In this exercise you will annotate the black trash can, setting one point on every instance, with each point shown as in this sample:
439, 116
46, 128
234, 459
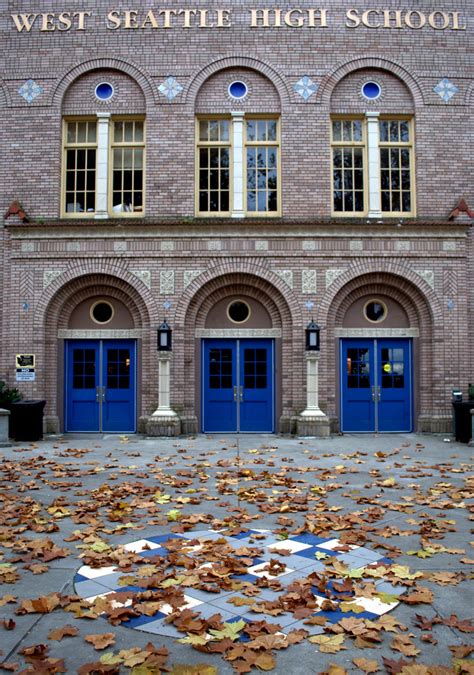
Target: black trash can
462, 420
27, 420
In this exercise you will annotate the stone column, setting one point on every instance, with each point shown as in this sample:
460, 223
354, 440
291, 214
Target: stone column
312, 421
102, 186
238, 210
164, 421
373, 160
4, 417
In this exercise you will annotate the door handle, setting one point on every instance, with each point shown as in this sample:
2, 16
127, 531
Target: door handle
241, 394
100, 394
103, 394
235, 393
373, 394
97, 394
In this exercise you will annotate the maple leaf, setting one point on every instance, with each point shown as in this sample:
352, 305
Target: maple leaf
230, 630
420, 594
366, 665
403, 644
110, 659
101, 641
65, 631
394, 667
328, 644
198, 669
195, 640
43, 605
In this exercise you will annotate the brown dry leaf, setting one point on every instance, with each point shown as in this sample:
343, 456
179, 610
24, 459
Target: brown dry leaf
8, 624
366, 665
403, 644
461, 651
328, 644
11, 667
37, 568
101, 640
43, 605
394, 667
199, 669
416, 669
335, 670
420, 594
65, 631
265, 661
7, 599
98, 668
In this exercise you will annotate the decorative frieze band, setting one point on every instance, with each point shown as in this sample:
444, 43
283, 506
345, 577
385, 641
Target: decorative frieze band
376, 332
238, 333
112, 334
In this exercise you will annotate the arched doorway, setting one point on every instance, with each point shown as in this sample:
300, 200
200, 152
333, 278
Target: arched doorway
97, 345
238, 332
383, 357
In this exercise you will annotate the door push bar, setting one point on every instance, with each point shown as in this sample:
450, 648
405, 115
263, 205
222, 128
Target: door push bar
238, 393
100, 394
375, 394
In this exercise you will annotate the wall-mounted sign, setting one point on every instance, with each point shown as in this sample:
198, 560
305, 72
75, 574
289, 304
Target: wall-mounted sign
25, 367
274, 17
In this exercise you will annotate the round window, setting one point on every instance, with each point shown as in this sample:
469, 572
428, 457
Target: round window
104, 91
375, 311
102, 312
238, 90
371, 90
238, 311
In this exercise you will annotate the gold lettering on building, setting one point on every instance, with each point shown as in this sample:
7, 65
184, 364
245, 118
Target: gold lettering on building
373, 18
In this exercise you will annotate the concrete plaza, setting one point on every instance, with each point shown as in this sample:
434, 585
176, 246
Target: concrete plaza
397, 493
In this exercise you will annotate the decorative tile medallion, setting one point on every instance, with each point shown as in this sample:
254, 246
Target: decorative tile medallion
306, 87
166, 282
331, 275
144, 276
49, 276
446, 89
239, 577
261, 245
167, 246
286, 276
427, 275
189, 276
308, 281
170, 88
30, 90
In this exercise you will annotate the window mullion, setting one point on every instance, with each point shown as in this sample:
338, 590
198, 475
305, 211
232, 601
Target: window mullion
102, 185
373, 164
237, 173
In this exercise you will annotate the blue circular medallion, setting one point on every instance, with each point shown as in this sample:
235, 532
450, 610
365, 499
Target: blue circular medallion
371, 90
238, 90
104, 91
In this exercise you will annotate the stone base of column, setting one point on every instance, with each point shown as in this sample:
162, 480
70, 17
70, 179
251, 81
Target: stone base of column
4, 417
163, 426
189, 425
313, 426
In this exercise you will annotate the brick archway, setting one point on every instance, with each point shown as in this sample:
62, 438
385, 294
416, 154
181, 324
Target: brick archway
211, 287
53, 314
421, 306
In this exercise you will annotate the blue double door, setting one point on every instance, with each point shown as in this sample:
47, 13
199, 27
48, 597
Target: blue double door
100, 386
238, 385
376, 385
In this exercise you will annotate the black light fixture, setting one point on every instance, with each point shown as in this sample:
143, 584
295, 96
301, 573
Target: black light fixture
312, 337
164, 337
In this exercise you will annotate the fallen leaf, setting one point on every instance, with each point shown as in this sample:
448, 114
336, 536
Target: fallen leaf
65, 631
101, 641
366, 665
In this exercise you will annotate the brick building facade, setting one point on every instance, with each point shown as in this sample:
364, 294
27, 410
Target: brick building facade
240, 172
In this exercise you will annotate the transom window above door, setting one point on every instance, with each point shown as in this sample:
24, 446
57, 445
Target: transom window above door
238, 166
